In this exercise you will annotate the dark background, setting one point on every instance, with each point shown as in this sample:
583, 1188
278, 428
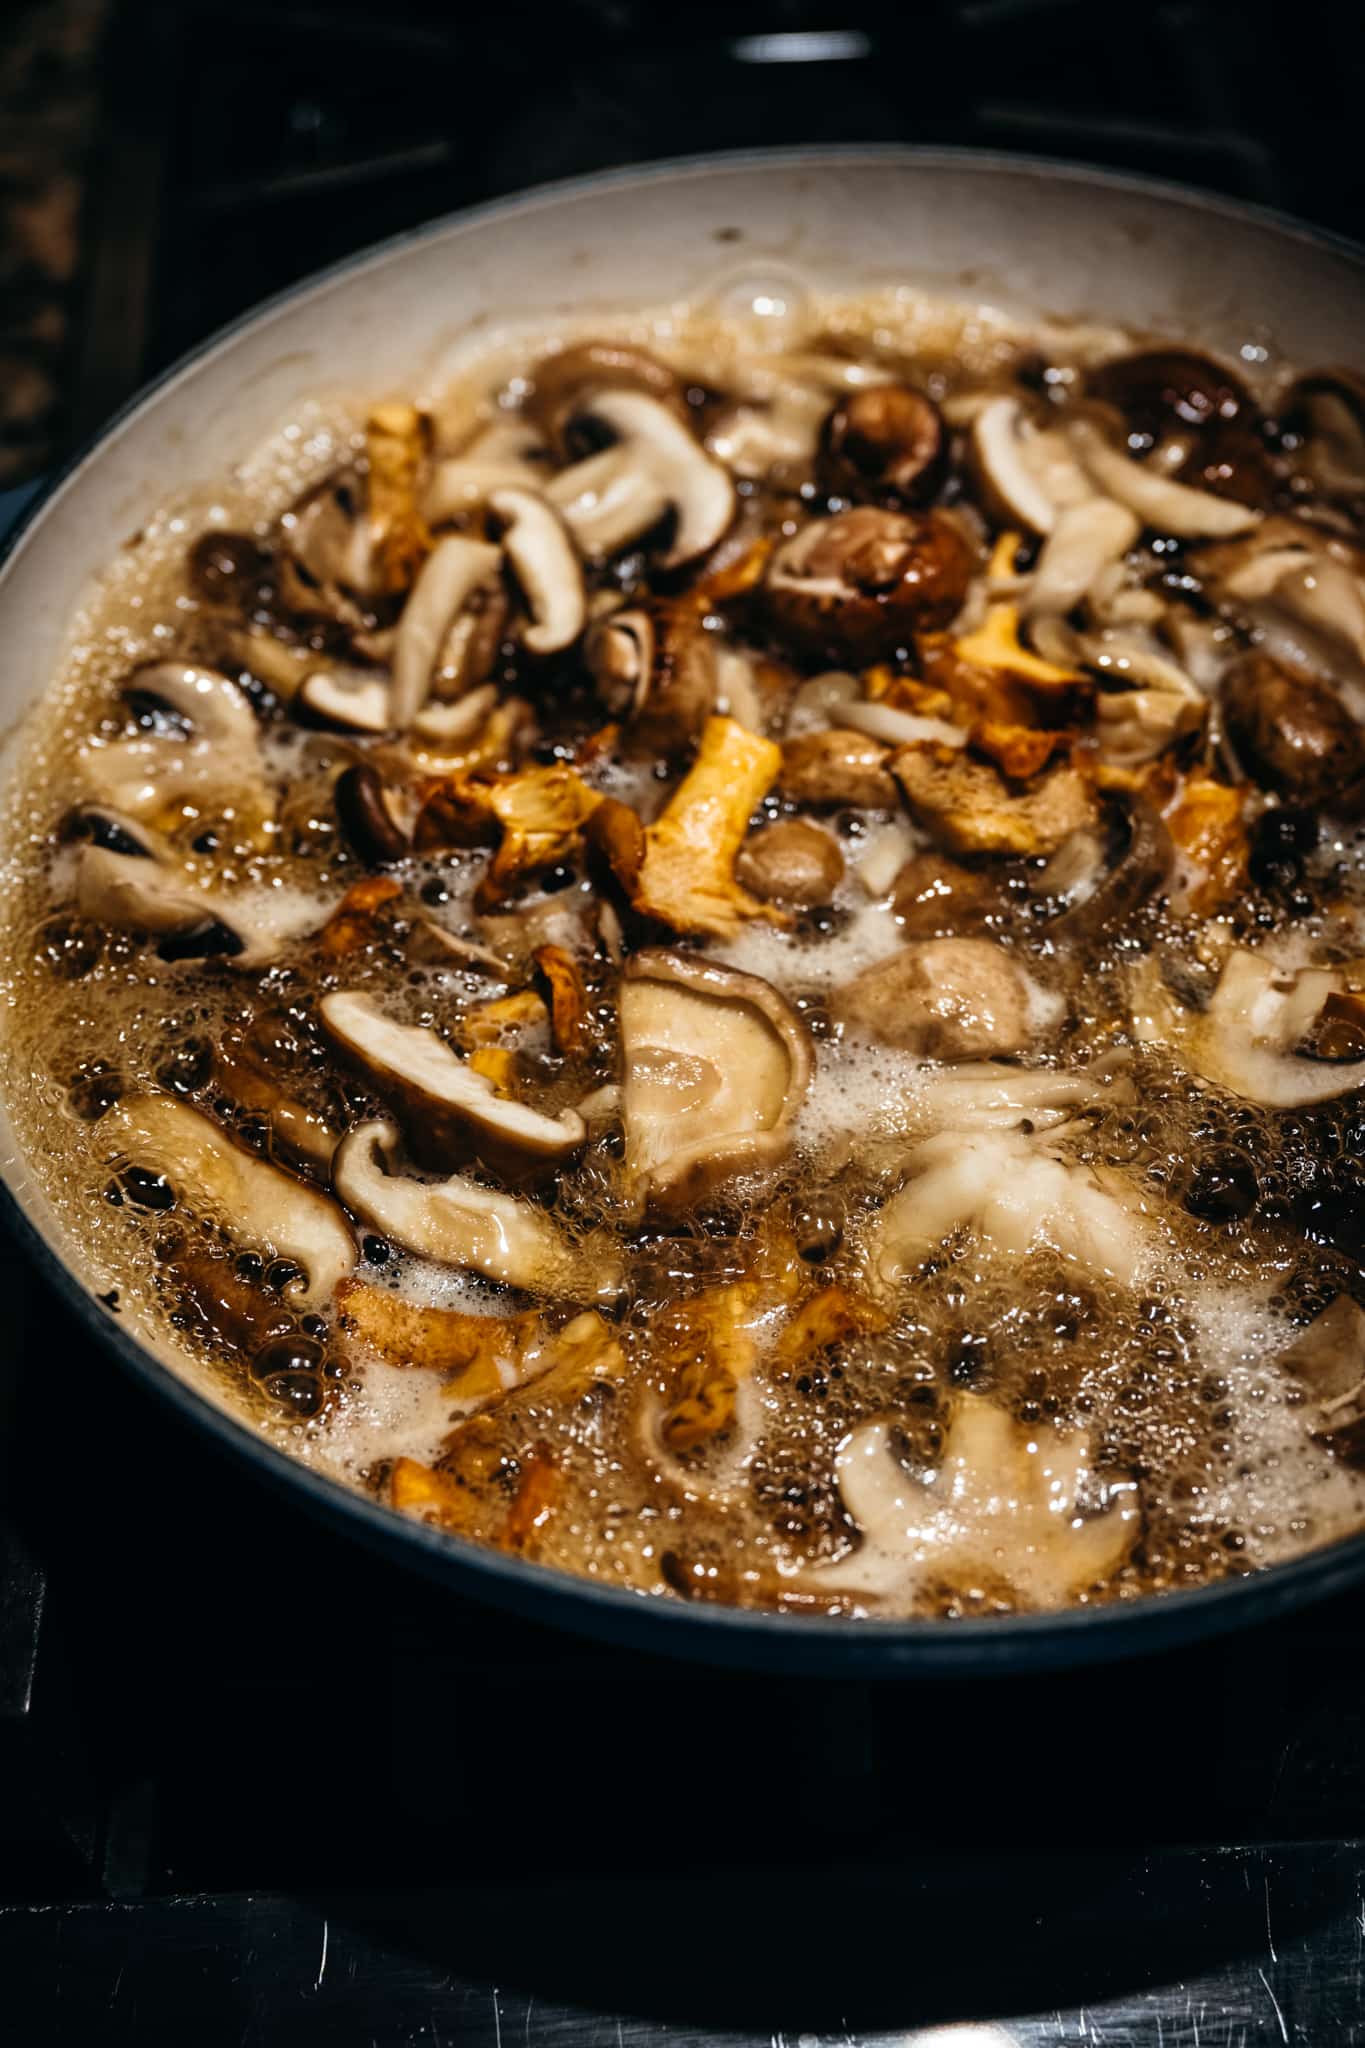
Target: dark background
257, 1787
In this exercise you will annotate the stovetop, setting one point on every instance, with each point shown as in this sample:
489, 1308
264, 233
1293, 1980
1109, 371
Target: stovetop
255, 1785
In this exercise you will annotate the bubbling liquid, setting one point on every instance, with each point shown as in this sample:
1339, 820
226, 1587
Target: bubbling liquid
1245, 1220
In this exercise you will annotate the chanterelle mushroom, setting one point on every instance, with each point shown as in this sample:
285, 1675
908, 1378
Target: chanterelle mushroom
1017, 1192
716, 1066
258, 1203
1001, 1506
856, 587
950, 999
450, 1113
680, 869
654, 465
1248, 1037
458, 1223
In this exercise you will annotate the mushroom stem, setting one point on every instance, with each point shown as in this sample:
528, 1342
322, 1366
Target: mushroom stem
452, 572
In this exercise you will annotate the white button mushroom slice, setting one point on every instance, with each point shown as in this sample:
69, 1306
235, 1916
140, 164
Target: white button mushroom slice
1162, 504
509, 455
452, 572
608, 499
451, 1112
460, 719
1246, 1038
619, 493
356, 699
716, 1065
1026, 474
218, 758
897, 728
132, 893
257, 1202
458, 1223
546, 567
1001, 1504
1084, 540
1017, 1194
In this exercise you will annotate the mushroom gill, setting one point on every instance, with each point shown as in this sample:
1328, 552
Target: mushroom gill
716, 1064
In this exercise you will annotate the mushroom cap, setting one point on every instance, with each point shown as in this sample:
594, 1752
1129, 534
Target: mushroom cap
450, 1113
1164, 389
561, 382
716, 1066
791, 862
858, 585
1326, 410
948, 999
257, 1202
885, 445
1295, 734
838, 767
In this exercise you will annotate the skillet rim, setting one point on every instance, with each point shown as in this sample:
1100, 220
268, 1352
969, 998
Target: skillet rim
754, 1638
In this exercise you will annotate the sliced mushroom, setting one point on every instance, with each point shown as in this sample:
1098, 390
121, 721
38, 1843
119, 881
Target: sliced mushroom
450, 1113
838, 768
453, 572
1328, 1358
217, 761
365, 814
507, 455
356, 699
792, 862
304, 1138
885, 444
859, 585
1003, 1506
1084, 540
256, 1202
657, 670
1295, 734
561, 383
1026, 474
113, 832
1162, 504
1247, 1039
458, 1223
716, 1065
132, 893
652, 466
1017, 1193
446, 724
948, 999
969, 808
1326, 410
545, 566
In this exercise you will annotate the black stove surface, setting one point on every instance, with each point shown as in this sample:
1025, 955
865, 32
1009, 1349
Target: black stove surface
256, 1786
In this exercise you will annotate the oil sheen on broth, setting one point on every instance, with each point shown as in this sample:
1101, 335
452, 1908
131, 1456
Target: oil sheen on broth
726, 953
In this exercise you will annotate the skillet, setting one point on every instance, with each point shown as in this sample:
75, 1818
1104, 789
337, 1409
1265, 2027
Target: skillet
1028, 235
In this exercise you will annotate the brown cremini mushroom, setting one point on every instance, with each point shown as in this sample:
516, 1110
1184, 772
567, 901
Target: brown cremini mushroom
561, 382
450, 1113
365, 815
935, 897
857, 586
792, 862
1295, 734
836, 768
948, 999
885, 444
654, 465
